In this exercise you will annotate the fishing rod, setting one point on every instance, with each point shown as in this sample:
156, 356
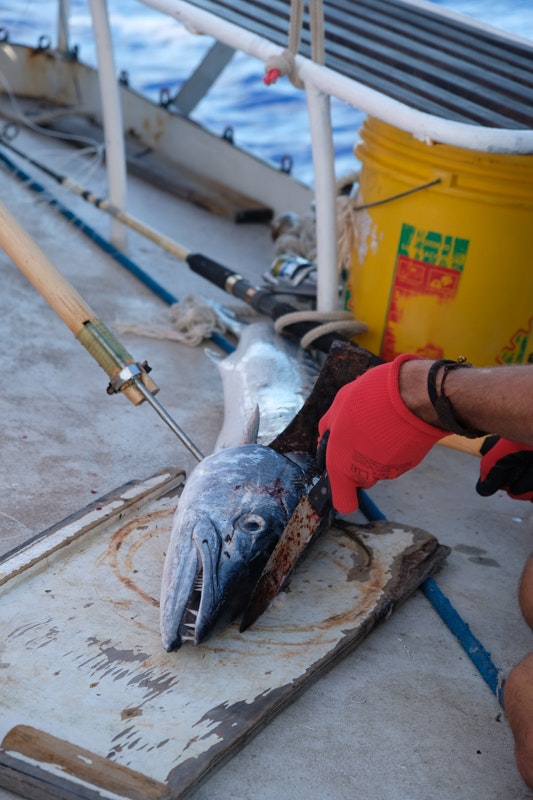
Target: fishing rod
133, 268
262, 300
103, 205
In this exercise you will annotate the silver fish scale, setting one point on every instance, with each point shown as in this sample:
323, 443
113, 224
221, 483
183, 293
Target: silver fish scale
265, 383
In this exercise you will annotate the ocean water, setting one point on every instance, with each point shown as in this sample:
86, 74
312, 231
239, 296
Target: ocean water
271, 122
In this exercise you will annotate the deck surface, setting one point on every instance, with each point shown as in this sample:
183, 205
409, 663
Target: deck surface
406, 715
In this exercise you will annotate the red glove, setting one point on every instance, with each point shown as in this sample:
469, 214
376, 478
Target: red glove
373, 435
506, 465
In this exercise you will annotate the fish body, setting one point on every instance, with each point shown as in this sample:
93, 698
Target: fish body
265, 383
237, 501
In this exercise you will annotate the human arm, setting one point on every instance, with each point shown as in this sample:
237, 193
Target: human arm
495, 399
384, 423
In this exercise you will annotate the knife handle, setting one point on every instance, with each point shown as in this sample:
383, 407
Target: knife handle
320, 456
320, 495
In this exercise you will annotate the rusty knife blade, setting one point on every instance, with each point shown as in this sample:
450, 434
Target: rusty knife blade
299, 531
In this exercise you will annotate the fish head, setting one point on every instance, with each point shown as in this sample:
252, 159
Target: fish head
232, 512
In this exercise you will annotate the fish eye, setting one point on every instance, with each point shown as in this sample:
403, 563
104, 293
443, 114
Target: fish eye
251, 523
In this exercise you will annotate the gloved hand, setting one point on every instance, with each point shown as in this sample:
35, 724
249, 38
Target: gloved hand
506, 465
373, 435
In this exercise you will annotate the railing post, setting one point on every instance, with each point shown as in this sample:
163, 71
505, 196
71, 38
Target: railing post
112, 117
62, 26
318, 104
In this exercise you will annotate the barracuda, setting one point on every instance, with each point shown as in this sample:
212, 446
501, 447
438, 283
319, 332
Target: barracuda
237, 501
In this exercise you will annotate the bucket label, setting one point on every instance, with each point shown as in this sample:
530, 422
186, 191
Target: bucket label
428, 270
519, 347
431, 247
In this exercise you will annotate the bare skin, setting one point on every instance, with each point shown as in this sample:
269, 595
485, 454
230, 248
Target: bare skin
493, 399
497, 400
518, 690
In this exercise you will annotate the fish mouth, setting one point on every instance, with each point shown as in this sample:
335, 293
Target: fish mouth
187, 626
192, 596
204, 588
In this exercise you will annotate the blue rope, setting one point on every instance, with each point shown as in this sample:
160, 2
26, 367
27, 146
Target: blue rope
106, 246
476, 652
368, 507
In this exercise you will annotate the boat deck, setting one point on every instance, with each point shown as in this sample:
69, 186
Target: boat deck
406, 714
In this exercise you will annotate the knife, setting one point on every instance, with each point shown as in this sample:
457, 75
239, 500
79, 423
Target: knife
299, 532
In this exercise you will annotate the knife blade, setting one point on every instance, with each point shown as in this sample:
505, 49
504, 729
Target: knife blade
298, 533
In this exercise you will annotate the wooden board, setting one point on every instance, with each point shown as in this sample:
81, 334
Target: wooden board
90, 704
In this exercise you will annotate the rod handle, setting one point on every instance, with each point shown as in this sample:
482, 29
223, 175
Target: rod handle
262, 300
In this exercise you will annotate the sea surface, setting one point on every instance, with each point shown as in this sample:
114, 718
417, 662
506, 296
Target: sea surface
158, 54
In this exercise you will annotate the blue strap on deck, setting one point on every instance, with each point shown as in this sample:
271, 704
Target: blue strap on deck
475, 651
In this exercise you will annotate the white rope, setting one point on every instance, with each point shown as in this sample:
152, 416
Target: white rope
334, 322
316, 15
296, 234
190, 321
346, 214
296, 22
284, 63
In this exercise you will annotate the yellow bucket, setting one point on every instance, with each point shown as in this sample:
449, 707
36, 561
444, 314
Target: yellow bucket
444, 270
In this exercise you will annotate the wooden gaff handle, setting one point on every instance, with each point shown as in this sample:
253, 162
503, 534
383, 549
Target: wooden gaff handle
68, 304
44, 276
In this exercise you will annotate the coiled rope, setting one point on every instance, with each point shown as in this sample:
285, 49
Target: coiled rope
333, 322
